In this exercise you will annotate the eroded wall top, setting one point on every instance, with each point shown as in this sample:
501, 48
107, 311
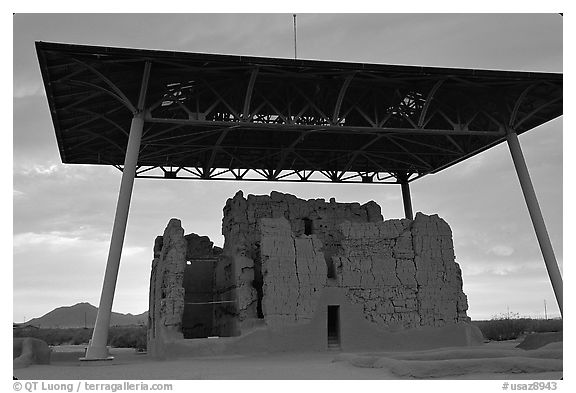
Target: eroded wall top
281, 249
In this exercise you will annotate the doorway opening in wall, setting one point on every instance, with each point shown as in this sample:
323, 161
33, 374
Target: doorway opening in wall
333, 322
307, 226
198, 314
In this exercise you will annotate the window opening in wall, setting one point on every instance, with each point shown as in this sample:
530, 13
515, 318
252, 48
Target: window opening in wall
307, 226
333, 325
330, 269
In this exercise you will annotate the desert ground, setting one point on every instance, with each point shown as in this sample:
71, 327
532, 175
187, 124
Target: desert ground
493, 360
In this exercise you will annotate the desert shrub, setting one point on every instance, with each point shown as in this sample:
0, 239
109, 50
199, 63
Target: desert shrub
547, 325
120, 337
56, 336
81, 336
128, 337
505, 327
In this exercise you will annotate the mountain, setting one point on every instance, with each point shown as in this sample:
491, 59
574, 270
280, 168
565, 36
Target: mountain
84, 315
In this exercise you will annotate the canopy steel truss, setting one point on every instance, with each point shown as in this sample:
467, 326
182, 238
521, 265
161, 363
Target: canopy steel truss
159, 114
244, 118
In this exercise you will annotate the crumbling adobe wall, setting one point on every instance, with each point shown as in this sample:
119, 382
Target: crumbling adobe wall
402, 272
239, 272
167, 305
274, 269
294, 273
166, 301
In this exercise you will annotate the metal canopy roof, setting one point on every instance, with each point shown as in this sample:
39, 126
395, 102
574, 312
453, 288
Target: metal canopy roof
249, 118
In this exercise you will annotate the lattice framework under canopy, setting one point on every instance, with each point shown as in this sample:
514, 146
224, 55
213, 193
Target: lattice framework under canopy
249, 118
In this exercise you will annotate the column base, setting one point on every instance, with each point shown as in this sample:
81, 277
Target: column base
97, 353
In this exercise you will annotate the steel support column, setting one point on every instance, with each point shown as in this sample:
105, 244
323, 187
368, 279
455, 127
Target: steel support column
97, 349
536, 215
406, 196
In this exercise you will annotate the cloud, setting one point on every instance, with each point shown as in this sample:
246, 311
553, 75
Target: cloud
58, 268
83, 242
471, 166
53, 241
506, 270
43, 170
237, 34
17, 194
24, 90
131, 251
63, 198
522, 291
473, 270
501, 251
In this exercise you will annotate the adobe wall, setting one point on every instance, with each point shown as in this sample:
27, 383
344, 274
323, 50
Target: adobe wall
166, 299
294, 273
174, 284
401, 272
273, 278
240, 269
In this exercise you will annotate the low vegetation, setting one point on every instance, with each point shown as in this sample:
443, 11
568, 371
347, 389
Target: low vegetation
499, 328
118, 336
510, 327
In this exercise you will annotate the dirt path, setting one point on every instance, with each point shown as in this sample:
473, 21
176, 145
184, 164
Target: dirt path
497, 361
277, 366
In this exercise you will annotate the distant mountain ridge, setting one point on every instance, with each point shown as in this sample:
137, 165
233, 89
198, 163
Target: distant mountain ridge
83, 315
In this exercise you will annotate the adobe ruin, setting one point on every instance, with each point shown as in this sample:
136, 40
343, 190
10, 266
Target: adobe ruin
307, 274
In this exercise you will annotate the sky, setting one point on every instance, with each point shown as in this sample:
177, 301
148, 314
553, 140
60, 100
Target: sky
63, 214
